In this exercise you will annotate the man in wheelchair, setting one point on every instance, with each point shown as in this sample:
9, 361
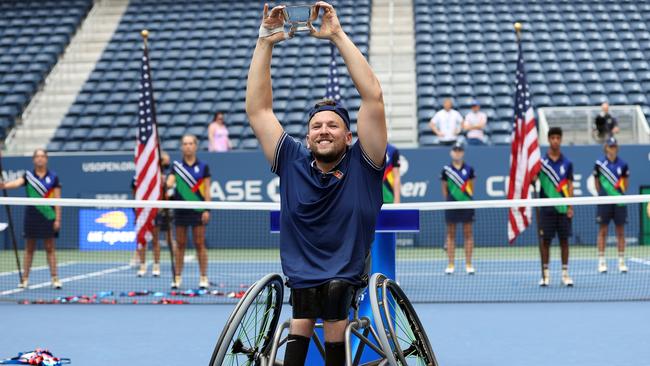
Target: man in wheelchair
331, 191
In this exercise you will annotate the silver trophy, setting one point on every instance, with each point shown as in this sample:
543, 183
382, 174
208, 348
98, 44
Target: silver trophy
298, 17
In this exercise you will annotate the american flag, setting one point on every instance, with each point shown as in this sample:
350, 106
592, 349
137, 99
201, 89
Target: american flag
148, 184
333, 89
524, 156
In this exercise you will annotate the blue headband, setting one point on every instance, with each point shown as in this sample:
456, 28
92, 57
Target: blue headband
338, 109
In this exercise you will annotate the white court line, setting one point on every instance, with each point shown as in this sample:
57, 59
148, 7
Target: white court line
640, 261
70, 279
500, 273
39, 268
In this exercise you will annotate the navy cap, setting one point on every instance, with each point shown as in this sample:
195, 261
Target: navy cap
611, 141
475, 103
458, 146
338, 109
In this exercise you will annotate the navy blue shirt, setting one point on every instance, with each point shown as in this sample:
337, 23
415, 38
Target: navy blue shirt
327, 220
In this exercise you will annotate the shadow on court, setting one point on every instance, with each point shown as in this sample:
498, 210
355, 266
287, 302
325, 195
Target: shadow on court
532, 334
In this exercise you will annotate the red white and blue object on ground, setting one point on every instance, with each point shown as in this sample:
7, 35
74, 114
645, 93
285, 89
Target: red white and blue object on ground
40, 357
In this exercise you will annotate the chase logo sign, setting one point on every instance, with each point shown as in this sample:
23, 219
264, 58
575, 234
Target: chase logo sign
107, 229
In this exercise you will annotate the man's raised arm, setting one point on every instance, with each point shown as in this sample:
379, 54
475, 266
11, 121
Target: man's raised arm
259, 93
371, 120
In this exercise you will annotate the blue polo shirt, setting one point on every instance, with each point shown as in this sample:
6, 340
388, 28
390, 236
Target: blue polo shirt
327, 220
610, 175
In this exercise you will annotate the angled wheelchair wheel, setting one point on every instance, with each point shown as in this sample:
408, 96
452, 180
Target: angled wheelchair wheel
400, 331
248, 333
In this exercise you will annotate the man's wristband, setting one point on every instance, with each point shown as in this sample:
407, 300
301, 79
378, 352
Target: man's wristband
266, 32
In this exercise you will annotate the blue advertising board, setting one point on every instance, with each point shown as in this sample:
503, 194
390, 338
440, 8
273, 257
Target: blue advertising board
107, 229
245, 176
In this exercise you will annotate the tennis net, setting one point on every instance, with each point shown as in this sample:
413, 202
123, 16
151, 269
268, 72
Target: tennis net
97, 260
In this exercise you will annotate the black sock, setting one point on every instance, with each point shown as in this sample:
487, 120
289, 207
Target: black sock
334, 354
296, 352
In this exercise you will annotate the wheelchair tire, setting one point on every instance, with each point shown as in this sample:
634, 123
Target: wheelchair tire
249, 331
400, 331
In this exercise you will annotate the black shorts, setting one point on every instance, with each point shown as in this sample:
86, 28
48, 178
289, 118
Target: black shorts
162, 221
330, 301
459, 216
185, 217
554, 223
36, 226
607, 213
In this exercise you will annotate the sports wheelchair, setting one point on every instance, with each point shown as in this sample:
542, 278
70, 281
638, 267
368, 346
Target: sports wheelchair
252, 335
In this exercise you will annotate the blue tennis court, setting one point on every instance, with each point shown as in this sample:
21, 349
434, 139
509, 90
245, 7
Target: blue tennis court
503, 275
533, 334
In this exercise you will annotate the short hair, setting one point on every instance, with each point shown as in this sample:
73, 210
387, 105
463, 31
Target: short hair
193, 137
555, 131
325, 101
216, 114
40, 149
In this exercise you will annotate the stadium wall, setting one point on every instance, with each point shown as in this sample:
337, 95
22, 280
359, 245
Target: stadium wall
245, 176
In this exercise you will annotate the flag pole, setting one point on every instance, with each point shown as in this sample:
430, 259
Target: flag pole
518, 26
165, 211
10, 223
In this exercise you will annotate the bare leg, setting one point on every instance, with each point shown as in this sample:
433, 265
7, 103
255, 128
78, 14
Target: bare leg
30, 247
564, 247
198, 233
302, 327
142, 253
620, 239
451, 242
602, 234
545, 251
181, 241
155, 244
335, 330
50, 251
469, 242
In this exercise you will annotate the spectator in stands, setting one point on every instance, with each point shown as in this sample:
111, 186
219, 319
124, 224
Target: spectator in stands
218, 134
446, 124
392, 182
605, 124
41, 222
474, 124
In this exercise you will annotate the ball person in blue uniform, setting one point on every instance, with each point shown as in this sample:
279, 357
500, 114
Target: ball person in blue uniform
190, 181
611, 175
41, 222
331, 191
457, 182
556, 181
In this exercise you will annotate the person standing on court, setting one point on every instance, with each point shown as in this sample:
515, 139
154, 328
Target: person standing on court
218, 139
331, 191
161, 225
556, 181
41, 222
392, 180
190, 181
611, 175
446, 123
458, 185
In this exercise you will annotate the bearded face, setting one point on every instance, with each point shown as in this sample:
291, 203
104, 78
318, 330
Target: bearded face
328, 137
